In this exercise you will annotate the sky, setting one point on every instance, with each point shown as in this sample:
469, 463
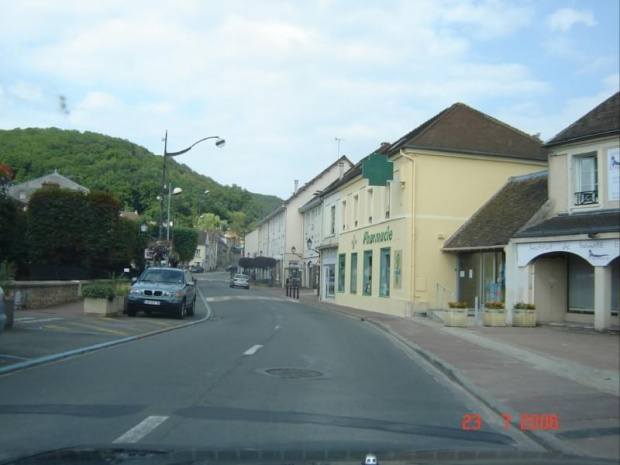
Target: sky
293, 85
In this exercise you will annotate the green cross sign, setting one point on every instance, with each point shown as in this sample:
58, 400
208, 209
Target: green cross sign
378, 170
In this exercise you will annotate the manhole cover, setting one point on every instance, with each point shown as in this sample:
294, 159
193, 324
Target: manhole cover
291, 373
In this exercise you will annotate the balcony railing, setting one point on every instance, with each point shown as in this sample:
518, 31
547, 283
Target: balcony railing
586, 197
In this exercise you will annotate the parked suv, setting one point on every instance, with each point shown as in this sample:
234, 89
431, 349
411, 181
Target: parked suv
163, 290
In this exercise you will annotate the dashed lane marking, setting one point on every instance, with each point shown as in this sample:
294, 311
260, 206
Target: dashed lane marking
140, 430
252, 350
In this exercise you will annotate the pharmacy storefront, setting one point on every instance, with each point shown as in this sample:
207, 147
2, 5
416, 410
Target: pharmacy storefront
370, 264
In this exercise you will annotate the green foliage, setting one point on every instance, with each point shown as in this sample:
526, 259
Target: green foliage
85, 230
457, 304
524, 306
7, 271
12, 228
98, 291
130, 173
185, 243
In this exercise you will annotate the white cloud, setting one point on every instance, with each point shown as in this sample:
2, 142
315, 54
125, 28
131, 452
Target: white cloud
25, 91
565, 18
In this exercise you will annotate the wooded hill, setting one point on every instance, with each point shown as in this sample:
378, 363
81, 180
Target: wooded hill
130, 173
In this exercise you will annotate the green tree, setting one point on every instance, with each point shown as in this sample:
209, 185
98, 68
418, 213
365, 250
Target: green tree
185, 243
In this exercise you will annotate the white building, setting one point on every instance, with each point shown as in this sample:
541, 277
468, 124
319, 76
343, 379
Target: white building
280, 234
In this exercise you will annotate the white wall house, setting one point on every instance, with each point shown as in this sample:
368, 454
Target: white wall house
280, 234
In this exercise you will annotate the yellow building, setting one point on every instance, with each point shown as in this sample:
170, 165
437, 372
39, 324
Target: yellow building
390, 237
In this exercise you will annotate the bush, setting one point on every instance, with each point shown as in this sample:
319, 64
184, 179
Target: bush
524, 306
457, 304
494, 305
98, 291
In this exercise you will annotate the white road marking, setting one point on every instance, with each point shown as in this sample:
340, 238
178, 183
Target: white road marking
277, 327
39, 320
141, 429
252, 350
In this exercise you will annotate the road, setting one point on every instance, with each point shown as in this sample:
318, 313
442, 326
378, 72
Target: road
264, 372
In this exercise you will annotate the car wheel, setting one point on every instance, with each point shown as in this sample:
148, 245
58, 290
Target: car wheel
192, 310
182, 311
131, 312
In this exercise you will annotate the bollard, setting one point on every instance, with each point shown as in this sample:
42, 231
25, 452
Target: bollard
288, 291
297, 292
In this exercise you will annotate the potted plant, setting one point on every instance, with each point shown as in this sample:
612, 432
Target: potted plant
494, 314
455, 314
99, 300
524, 314
7, 274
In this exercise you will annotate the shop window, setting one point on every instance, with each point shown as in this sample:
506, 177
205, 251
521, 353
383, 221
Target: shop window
586, 179
368, 272
330, 272
354, 273
384, 283
580, 285
341, 271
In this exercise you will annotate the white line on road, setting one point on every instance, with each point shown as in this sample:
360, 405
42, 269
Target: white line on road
252, 350
141, 429
277, 327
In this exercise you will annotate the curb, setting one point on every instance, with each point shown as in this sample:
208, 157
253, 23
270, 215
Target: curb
84, 350
547, 440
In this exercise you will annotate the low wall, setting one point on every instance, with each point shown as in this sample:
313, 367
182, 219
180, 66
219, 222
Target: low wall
40, 294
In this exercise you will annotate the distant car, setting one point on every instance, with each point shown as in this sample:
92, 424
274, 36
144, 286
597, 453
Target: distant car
2, 314
232, 268
197, 269
163, 290
240, 280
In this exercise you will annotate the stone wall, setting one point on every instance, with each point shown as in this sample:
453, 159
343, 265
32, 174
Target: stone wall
40, 294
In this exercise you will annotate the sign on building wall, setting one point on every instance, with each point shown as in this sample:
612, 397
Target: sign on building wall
398, 269
613, 174
595, 252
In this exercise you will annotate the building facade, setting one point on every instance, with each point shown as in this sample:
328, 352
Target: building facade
280, 233
567, 263
389, 256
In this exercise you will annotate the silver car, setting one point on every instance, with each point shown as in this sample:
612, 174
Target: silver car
240, 280
163, 290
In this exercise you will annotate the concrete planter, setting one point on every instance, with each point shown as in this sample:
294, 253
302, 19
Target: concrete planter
523, 317
120, 302
455, 317
100, 307
494, 317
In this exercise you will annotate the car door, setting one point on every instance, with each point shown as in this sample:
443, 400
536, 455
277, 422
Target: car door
190, 288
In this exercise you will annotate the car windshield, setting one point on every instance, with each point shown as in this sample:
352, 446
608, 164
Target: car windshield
163, 276
320, 225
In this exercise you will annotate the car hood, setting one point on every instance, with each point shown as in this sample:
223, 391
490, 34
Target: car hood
157, 286
154, 455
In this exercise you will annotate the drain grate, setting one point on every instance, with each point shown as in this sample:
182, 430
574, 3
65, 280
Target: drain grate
292, 373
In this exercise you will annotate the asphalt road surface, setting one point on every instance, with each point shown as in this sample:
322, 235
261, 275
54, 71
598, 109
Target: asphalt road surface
263, 372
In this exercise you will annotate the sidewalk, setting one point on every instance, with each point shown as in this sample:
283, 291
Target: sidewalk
60, 331
523, 372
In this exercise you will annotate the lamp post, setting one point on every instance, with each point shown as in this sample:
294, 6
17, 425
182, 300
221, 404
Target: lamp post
219, 142
176, 191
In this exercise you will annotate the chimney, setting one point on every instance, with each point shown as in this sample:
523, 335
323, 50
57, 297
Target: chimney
296, 185
341, 170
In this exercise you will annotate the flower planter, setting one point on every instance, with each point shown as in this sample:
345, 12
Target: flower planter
523, 317
100, 307
494, 317
120, 301
455, 317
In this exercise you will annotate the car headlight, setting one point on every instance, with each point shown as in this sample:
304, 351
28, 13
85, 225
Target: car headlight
136, 291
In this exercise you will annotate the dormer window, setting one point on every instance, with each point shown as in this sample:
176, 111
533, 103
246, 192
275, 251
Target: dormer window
586, 179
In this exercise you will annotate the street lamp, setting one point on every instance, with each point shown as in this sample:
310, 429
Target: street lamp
219, 142
176, 191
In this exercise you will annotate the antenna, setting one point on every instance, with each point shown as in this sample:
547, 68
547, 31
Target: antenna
338, 140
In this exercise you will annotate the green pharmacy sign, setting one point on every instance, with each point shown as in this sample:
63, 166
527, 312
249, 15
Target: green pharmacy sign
378, 170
